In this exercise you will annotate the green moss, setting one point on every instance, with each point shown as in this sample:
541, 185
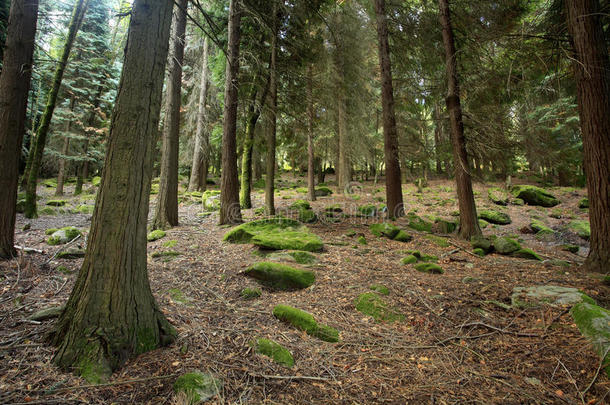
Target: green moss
72, 253
527, 254
408, 260
506, 246
275, 351
381, 289
84, 209
300, 204
498, 196
56, 203
178, 296
445, 226
197, 386
210, 200
439, 241
540, 228
584, 203
479, 252
480, 242
155, 235
307, 216
166, 253
96, 181
594, 323
495, 217
483, 224
419, 224
245, 232
290, 240
533, 195
384, 229
305, 321
63, 235
428, 258
371, 304
301, 190
50, 231
362, 240
323, 191
431, 268
333, 208
369, 210
302, 257
170, 243
581, 228
402, 236
570, 248
280, 276
250, 293
415, 253
93, 372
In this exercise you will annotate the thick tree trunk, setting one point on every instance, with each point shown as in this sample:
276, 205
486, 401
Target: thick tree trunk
111, 314
271, 131
166, 214
201, 152
78, 13
390, 136
592, 69
230, 212
311, 180
14, 87
469, 224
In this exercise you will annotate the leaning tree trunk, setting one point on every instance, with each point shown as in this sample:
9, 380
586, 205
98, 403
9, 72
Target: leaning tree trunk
111, 314
14, 87
311, 179
271, 131
202, 142
166, 214
592, 70
40, 141
469, 224
229, 183
390, 136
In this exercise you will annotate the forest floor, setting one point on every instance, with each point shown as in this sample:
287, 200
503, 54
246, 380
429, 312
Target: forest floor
460, 340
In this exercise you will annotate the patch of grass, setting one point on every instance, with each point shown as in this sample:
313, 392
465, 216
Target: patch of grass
373, 305
280, 276
381, 289
305, 321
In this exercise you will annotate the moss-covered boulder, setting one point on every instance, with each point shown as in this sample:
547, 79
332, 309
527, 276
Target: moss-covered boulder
71, 253
306, 322
323, 191
300, 205
444, 226
307, 216
288, 240
431, 268
483, 224
95, 181
534, 296
570, 248
594, 323
410, 259
373, 305
279, 276
155, 235
480, 242
498, 196
384, 229
245, 232
479, 252
495, 217
527, 254
533, 195
584, 203
197, 387
275, 351
56, 203
250, 293
63, 236
210, 200
296, 256
539, 228
506, 246
581, 228
368, 210
418, 223
402, 236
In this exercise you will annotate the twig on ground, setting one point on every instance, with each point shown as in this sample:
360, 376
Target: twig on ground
64, 247
289, 377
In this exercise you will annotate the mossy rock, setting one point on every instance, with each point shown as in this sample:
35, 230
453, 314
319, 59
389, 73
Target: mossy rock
410, 259
439, 241
302, 257
534, 296
96, 181
430, 268
498, 196
419, 224
198, 387
306, 322
300, 205
444, 226
50, 231
166, 253
428, 259
245, 232
495, 217
288, 240
296, 256
307, 216
280, 276
594, 323
570, 248
56, 203
323, 191
72, 253
210, 200
527, 254
480, 242
50, 183
369, 210
506, 246
533, 195
384, 229
381, 289
483, 224
584, 203
581, 228
275, 351
63, 236
518, 202
415, 253
155, 235
479, 252
402, 236
250, 293
373, 305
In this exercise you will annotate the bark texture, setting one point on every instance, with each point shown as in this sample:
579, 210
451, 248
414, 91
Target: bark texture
592, 70
271, 131
201, 153
230, 212
166, 213
39, 142
390, 136
14, 87
111, 314
311, 179
469, 224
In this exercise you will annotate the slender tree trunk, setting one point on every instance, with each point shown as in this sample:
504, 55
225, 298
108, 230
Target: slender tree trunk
14, 87
344, 169
111, 314
390, 136
311, 179
592, 70
438, 135
230, 212
61, 175
469, 224
78, 13
271, 131
202, 142
166, 214
83, 170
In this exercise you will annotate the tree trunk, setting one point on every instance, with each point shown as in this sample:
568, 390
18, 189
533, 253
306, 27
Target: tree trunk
438, 134
83, 170
271, 131
166, 214
592, 71
61, 175
390, 137
469, 224
230, 212
202, 142
80, 7
311, 180
14, 87
111, 314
